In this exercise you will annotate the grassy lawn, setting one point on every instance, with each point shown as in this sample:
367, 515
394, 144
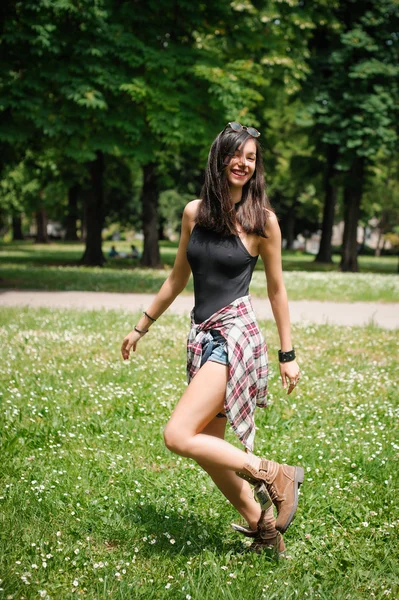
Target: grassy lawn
94, 506
55, 267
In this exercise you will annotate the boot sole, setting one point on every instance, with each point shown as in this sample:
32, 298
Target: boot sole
251, 533
258, 547
298, 480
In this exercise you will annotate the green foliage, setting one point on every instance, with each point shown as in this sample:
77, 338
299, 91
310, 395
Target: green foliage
32, 184
16, 185
67, 85
353, 86
154, 82
393, 239
123, 182
381, 198
171, 206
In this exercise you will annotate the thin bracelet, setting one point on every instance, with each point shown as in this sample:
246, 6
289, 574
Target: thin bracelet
151, 318
142, 331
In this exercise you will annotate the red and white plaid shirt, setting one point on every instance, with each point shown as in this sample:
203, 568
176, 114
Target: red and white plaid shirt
247, 356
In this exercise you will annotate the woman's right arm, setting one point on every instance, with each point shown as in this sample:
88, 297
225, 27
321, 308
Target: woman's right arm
172, 287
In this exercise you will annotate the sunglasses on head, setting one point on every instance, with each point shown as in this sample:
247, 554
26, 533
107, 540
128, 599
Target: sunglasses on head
237, 127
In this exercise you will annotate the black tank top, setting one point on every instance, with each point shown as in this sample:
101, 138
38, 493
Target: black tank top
222, 269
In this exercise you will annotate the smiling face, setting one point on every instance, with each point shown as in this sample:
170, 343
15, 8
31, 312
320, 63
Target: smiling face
241, 166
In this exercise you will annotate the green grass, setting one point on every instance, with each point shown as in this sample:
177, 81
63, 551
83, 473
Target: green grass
69, 254
55, 267
94, 506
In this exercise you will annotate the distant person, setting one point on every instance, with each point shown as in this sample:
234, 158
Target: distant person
135, 252
221, 237
113, 253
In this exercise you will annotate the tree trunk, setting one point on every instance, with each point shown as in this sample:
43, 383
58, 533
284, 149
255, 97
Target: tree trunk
352, 198
149, 201
17, 228
41, 227
83, 233
324, 254
363, 242
94, 204
161, 228
71, 234
377, 248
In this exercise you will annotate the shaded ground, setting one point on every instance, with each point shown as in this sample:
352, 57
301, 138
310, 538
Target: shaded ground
68, 254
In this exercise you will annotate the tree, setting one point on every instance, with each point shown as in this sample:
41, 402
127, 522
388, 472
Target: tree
63, 84
293, 168
176, 95
10, 186
207, 64
324, 254
353, 88
103, 79
23, 190
381, 201
71, 234
102, 84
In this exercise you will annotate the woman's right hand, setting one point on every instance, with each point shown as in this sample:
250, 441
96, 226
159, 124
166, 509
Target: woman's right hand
130, 342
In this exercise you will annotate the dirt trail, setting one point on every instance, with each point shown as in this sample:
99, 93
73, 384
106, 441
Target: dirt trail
302, 311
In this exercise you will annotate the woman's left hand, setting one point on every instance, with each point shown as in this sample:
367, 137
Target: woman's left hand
290, 375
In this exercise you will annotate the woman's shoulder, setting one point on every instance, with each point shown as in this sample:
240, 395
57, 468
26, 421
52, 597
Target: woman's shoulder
189, 215
192, 207
271, 222
191, 210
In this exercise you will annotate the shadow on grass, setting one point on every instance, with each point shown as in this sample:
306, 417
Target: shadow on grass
64, 254
191, 534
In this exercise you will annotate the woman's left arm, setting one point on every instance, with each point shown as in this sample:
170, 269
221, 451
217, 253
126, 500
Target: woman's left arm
270, 251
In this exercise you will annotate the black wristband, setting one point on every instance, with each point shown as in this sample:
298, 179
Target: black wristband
284, 357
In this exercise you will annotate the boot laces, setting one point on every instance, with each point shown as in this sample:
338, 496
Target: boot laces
267, 525
267, 531
272, 491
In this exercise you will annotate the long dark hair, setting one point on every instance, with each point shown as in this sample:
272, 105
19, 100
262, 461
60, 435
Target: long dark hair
217, 210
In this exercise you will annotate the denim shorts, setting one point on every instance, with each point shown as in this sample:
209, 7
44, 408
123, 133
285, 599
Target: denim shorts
214, 348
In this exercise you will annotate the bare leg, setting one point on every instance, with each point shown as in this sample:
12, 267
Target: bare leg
184, 435
201, 401
236, 490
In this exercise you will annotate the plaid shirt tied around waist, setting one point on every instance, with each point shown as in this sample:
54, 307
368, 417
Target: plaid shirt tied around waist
247, 356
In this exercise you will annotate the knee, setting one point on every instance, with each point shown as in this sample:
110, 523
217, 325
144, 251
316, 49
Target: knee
175, 440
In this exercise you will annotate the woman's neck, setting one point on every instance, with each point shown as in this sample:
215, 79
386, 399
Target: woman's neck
236, 194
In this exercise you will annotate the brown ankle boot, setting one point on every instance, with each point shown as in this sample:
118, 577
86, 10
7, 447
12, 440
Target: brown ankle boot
265, 536
282, 484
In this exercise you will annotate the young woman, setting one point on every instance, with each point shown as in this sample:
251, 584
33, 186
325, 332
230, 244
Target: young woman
222, 235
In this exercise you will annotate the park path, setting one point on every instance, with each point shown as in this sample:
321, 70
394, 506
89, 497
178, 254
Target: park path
382, 314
